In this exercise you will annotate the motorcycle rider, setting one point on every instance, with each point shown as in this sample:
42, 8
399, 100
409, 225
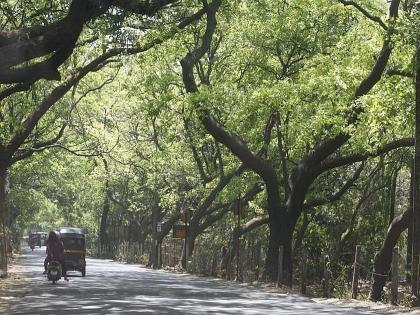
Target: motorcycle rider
46, 258
55, 251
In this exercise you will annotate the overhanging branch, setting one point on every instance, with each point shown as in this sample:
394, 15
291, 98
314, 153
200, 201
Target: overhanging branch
335, 162
362, 10
337, 195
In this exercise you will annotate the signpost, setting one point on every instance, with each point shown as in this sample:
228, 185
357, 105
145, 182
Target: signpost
181, 231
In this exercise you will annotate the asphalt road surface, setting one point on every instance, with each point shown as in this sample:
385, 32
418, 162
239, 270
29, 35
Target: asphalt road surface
115, 288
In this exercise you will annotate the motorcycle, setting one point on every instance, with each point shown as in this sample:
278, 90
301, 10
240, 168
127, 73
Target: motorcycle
54, 271
32, 246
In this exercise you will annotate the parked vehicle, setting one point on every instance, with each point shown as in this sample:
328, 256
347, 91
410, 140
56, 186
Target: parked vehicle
54, 271
74, 249
44, 238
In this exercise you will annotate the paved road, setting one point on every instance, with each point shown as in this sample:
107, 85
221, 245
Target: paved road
114, 288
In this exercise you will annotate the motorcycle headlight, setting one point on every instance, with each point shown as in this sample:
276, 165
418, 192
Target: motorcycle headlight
54, 272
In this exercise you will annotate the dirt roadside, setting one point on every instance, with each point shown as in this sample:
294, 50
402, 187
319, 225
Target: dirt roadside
379, 308
10, 286
363, 305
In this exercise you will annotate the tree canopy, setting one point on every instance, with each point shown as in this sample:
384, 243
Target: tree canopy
129, 113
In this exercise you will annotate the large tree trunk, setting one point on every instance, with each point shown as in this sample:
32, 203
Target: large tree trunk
383, 258
279, 237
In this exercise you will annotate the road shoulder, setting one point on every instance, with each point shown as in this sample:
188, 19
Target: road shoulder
11, 286
377, 307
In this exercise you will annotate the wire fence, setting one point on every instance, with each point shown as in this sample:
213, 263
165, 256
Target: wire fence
322, 274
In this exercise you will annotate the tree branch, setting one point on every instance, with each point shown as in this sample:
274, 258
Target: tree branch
362, 10
30, 122
308, 169
403, 73
60, 37
335, 162
337, 195
223, 182
15, 89
213, 216
22, 154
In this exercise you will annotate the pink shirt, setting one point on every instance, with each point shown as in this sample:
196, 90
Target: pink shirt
55, 250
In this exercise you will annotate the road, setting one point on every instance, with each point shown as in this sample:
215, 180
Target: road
115, 288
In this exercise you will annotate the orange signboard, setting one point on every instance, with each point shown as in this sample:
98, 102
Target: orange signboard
179, 231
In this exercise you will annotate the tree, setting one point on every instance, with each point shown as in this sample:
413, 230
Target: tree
284, 215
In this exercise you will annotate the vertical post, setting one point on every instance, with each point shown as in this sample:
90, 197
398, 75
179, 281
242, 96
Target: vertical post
303, 271
159, 254
229, 266
3, 216
280, 266
186, 250
213, 272
174, 253
414, 270
5, 250
416, 190
261, 261
186, 238
99, 248
325, 278
394, 283
355, 282
410, 227
184, 254
238, 244
257, 260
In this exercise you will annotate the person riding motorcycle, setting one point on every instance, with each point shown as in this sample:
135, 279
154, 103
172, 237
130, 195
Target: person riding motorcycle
55, 251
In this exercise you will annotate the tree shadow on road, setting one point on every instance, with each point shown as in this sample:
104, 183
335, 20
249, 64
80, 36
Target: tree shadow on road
113, 288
